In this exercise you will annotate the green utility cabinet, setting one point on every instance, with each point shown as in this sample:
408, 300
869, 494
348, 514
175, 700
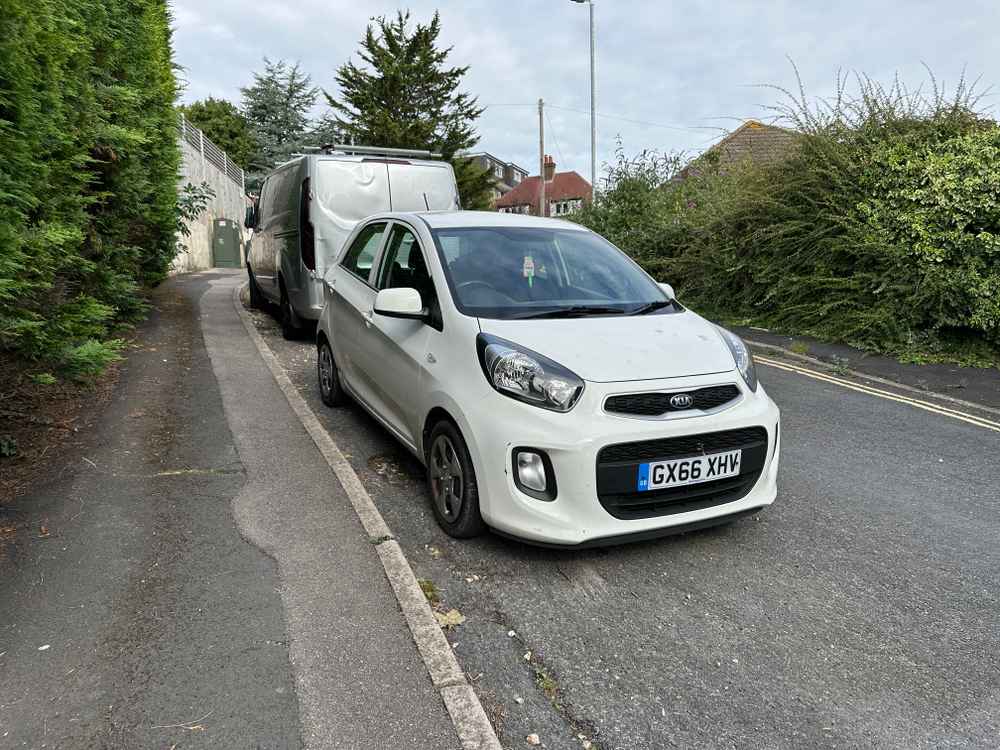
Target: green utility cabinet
225, 244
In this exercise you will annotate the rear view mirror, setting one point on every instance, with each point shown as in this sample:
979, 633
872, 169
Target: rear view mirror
400, 303
668, 290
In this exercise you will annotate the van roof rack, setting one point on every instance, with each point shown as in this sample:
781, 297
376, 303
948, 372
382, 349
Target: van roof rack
346, 148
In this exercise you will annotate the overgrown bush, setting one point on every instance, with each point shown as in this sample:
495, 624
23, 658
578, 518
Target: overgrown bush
881, 229
88, 176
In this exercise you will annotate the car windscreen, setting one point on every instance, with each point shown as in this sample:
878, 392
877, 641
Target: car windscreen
520, 272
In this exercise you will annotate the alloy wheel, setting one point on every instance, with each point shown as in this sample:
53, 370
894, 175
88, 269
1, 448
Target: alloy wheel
326, 371
447, 478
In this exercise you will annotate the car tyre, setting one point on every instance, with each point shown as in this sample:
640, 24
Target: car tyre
451, 480
329, 376
256, 296
291, 326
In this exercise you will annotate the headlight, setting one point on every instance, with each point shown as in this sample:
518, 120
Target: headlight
742, 355
522, 374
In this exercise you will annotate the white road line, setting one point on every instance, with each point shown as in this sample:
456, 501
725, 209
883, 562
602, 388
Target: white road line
467, 714
986, 424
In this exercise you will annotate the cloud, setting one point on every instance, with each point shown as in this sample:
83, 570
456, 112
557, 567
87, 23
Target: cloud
692, 68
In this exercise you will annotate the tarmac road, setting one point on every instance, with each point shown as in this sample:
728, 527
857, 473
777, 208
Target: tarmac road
201, 581
861, 610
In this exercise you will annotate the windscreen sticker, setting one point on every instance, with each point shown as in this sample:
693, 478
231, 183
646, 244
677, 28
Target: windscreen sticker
528, 270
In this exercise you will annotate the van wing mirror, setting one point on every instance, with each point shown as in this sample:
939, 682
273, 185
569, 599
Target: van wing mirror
400, 303
668, 290
250, 220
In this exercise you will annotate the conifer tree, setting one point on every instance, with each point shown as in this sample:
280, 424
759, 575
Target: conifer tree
276, 106
403, 95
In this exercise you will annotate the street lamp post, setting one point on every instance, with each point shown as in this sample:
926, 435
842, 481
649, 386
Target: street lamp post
593, 96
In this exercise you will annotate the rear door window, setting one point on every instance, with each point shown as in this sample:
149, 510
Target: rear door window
349, 191
423, 187
361, 255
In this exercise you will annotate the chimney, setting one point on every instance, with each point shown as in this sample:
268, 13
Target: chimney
550, 168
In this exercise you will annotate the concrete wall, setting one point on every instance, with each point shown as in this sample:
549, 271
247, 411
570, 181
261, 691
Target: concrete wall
229, 203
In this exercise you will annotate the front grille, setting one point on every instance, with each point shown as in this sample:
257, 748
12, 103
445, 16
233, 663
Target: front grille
679, 447
617, 470
655, 404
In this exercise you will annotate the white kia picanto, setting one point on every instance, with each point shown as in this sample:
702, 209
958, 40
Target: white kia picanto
554, 391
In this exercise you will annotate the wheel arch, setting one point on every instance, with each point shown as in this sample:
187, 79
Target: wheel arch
435, 415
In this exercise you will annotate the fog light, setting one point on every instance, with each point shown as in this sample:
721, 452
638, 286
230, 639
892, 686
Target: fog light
531, 471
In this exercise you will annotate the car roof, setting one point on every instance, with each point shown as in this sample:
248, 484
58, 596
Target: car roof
455, 219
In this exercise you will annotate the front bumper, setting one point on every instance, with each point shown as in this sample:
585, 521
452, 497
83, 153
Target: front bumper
573, 442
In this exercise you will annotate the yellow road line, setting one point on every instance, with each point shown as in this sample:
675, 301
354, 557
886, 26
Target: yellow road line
962, 416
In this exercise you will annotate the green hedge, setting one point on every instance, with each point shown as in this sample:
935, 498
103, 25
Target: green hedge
883, 232
88, 172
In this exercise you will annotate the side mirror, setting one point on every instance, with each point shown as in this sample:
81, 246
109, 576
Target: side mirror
250, 220
400, 303
668, 290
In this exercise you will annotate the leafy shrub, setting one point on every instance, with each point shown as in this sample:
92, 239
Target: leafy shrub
191, 202
8, 446
91, 358
88, 179
882, 228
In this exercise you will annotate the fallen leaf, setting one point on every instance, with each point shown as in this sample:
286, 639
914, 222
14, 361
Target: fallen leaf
532, 739
449, 619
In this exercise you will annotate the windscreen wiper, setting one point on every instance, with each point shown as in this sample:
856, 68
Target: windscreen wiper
653, 307
574, 311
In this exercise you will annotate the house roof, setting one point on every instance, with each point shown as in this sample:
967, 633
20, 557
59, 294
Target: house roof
752, 141
497, 159
562, 186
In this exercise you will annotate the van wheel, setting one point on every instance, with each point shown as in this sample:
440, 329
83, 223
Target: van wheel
452, 483
256, 296
291, 326
329, 376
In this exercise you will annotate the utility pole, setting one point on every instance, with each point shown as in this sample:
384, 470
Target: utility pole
593, 102
541, 158
593, 95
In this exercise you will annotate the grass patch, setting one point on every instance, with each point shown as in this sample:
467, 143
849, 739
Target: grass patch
546, 684
430, 590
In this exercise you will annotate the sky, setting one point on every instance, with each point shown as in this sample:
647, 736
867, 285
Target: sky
671, 76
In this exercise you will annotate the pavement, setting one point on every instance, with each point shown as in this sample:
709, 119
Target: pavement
972, 384
203, 581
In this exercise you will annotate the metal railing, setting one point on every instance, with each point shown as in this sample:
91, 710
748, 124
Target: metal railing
211, 153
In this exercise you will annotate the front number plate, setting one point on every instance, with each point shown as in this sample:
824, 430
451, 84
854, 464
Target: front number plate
681, 471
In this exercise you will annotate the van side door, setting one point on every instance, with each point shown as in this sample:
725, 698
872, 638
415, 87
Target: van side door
261, 254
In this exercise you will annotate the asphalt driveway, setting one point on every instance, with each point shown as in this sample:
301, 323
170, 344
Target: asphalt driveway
861, 610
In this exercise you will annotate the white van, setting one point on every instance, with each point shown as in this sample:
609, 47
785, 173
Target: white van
309, 205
